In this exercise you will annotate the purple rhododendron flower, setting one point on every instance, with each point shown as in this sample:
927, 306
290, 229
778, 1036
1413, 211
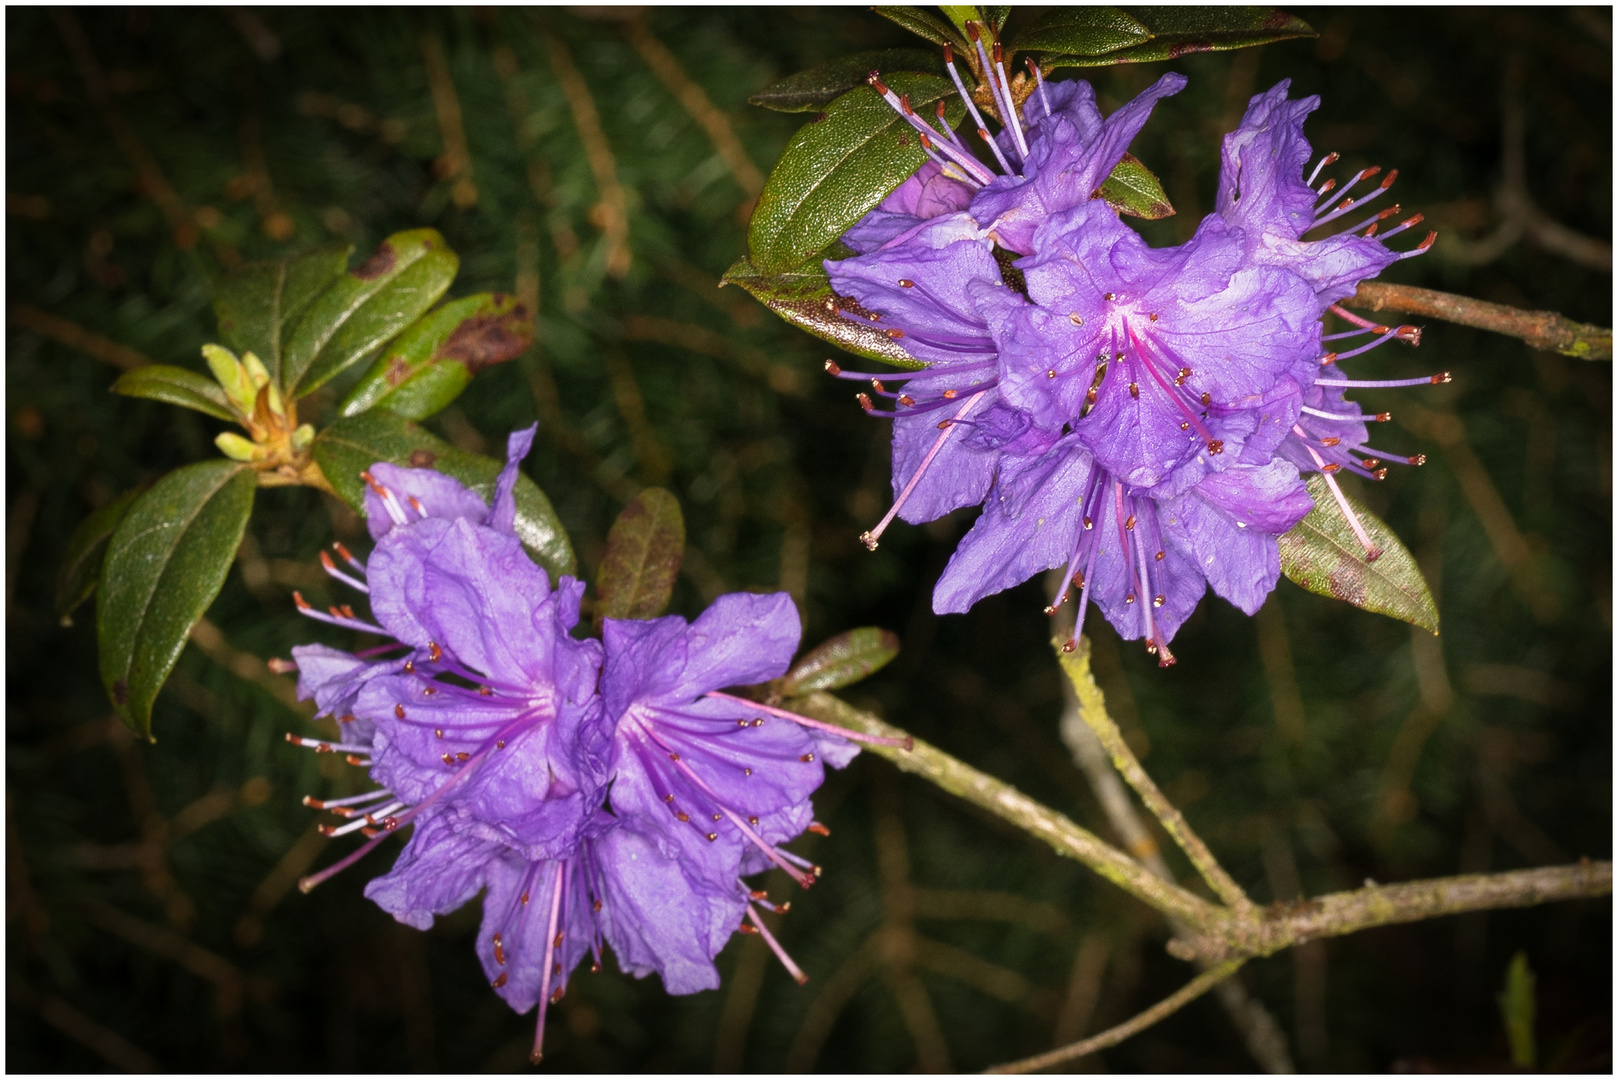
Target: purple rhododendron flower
1136, 415
496, 734
490, 720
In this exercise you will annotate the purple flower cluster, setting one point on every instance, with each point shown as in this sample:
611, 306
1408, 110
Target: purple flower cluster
598, 793
1136, 416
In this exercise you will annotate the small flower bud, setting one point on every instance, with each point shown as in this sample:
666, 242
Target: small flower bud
255, 369
303, 436
237, 448
273, 398
232, 376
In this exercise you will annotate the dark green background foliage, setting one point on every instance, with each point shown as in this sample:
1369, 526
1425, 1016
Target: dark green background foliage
147, 885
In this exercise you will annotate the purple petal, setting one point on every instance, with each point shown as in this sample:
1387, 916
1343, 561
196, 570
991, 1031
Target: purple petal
503, 510
469, 589
437, 872
1029, 524
524, 927
1261, 184
657, 919
1065, 166
439, 495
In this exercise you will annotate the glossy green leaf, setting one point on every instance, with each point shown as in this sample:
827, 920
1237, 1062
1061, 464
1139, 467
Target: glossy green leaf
839, 166
1322, 554
926, 23
844, 659
995, 15
165, 563
427, 366
1177, 31
351, 446
645, 547
367, 306
813, 90
1080, 31
803, 297
86, 549
1131, 188
177, 386
259, 303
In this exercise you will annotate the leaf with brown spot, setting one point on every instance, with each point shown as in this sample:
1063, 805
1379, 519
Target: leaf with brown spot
645, 547
430, 363
367, 307
259, 303
1322, 554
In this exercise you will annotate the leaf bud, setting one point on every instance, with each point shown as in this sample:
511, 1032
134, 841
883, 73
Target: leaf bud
231, 375
237, 448
303, 436
255, 369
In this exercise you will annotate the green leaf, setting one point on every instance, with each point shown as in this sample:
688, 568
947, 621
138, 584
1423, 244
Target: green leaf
259, 303
427, 366
1322, 554
367, 306
803, 297
995, 15
177, 386
351, 446
924, 23
86, 548
813, 90
839, 166
1131, 188
165, 564
844, 659
645, 547
1081, 31
1517, 1009
1177, 31
961, 14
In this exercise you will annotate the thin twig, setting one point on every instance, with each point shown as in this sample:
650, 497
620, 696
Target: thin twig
597, 151
1336, 914
456, 163
105, 1043
691, 96
1005, 801
1113, 1036
1540, 329
1076, 665
152, 180
69, 333
1224, 934
1253, 1020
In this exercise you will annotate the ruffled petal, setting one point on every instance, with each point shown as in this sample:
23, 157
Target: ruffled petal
469, 589
657, 918
503, 510
1029, 524
1261, 184
1065, 166
437, 872
440, 497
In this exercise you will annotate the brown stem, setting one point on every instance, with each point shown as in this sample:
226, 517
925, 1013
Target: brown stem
1113, 1036
1076, 665
1540, 329
1005, 801
1281, 925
